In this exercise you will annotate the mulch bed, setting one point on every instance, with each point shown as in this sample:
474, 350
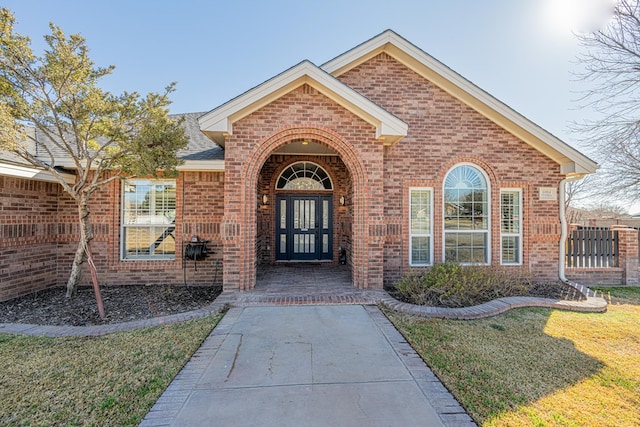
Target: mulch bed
552, 290
121, 304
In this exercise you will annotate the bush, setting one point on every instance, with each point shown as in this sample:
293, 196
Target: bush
455, 285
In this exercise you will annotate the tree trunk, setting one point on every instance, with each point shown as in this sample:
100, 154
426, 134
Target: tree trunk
84, 248
86, 235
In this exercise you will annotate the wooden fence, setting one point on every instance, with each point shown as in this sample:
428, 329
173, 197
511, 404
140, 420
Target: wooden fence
593, 247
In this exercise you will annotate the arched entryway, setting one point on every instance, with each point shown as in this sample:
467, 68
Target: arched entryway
256, 239
304, 215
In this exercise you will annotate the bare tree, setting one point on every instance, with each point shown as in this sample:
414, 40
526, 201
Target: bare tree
611, 61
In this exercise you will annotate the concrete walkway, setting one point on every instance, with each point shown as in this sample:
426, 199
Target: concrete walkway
311, 365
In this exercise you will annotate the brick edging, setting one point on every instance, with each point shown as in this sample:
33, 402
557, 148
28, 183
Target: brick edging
592, 304
492, 308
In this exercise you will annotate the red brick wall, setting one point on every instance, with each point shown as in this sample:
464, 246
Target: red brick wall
442, 133
39, 236
28, 236
199, 207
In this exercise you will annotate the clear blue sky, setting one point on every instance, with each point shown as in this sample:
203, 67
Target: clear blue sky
520, 51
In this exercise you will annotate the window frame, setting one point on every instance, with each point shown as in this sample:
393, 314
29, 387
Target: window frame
291, 166
124, 227
486, 232
429, 235
520, 227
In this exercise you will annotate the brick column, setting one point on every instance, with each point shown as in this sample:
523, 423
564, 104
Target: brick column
628, 254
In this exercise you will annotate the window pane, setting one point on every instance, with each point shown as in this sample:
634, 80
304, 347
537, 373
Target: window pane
466, 209
283, 243
510, 250
283, 213
148, 218
510, 224
420, 212
140, 241
420, 250
420, 226
510, 211
304, 176
325, 214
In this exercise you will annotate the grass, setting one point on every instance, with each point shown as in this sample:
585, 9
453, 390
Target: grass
93, 381
539, 367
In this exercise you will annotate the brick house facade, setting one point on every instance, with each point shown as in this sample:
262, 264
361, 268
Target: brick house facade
383, 154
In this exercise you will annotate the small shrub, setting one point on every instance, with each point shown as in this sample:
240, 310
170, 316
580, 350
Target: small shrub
455, 285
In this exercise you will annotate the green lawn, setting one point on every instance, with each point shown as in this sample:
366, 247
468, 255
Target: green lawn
539, 367
103, 381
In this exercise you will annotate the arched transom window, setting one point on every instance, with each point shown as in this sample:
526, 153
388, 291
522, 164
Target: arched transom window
304, 176
466, 216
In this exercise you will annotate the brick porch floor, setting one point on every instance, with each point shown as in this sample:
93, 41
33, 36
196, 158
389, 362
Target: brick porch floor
305, 283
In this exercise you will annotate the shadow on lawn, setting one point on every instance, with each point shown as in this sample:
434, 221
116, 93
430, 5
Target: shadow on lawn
498, 364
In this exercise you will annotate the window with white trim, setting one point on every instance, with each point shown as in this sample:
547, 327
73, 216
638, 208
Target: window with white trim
466, 216
420, 223
304, 176
148, 219
511, 226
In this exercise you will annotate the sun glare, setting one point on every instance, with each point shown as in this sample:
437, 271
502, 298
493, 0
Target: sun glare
581, 16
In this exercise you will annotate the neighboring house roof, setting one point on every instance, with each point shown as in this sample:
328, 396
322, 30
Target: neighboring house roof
219, 122
571, 161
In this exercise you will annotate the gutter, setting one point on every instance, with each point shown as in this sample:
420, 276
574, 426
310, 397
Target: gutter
563, 227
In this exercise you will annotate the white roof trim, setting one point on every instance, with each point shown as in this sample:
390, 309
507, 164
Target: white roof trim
28, 172
201, 165
468, 93
219, 122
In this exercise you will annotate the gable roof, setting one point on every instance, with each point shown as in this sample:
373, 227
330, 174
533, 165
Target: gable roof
571, 161
219, 122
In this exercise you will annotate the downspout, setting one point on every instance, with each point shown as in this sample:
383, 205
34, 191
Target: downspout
563, 226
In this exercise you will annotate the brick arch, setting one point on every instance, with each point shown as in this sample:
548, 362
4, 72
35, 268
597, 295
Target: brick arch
251, 170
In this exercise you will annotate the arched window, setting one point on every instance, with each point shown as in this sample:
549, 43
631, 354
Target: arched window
304, 176
466, 216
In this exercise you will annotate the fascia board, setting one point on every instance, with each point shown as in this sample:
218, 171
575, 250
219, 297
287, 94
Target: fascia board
8, 169
220, 120
462, 89
202, 165
573, 168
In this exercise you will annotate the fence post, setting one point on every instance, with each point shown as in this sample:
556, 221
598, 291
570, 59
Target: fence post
628, 254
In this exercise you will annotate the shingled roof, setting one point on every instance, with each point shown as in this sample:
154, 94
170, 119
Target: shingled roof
199, 146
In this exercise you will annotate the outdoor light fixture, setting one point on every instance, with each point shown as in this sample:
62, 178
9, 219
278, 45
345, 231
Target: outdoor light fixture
305, 142
342, 201
265, 199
